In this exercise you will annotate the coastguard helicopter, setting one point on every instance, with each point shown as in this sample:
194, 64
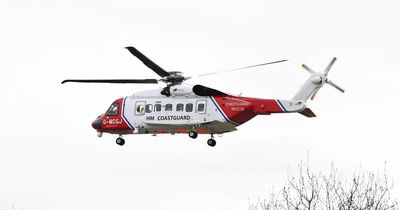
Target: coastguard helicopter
194, 109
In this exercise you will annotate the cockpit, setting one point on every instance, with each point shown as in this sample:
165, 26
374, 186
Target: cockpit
113, 110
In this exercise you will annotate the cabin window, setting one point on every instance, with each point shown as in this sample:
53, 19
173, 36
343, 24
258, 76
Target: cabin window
140, 107
179, 107
201, 107
168, 107
189, 107
113, 110
157, 108
149, 108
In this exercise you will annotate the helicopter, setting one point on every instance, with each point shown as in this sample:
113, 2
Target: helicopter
180, 108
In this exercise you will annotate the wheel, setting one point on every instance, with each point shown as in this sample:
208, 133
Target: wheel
193, 134
211, 142
120, 141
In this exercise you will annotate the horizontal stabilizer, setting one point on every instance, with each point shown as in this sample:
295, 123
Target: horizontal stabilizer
308, 112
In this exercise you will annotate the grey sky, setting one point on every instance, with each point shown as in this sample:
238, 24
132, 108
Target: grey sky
50, 157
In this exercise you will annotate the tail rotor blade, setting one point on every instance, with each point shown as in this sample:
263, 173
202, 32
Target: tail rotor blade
328, 68
314, 94
308, 69
335, 86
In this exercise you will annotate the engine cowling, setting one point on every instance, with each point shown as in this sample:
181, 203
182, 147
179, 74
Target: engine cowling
181, 90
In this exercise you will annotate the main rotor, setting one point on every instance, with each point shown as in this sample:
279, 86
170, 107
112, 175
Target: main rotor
171, 78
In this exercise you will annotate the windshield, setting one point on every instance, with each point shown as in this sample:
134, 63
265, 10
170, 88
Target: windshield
113, 110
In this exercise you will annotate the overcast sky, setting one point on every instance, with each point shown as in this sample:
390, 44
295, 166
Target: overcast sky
50, 157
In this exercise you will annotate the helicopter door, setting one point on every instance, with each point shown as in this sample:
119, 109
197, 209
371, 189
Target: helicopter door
140, 108
201, 106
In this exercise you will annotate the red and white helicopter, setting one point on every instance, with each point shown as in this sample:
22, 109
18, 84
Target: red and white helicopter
182, 108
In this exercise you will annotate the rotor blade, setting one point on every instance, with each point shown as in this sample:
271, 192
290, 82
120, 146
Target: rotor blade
314, 94
335, 86
308, 69
148, 62
246, 67
140, 81
328, 68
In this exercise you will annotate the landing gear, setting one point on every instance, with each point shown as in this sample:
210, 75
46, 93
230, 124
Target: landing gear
211, 142
120, 141
99, 134
193, 134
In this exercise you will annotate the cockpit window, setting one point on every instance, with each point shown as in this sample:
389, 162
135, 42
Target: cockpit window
113, 110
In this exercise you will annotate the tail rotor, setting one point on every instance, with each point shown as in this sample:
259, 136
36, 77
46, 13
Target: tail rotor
319, 79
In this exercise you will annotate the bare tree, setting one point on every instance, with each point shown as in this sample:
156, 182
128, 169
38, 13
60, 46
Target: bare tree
308, 191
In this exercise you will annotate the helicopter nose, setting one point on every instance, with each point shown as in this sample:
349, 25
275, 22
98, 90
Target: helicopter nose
96, 124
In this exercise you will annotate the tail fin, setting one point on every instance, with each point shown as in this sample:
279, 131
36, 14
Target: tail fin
315, 82
311, 87
308, 112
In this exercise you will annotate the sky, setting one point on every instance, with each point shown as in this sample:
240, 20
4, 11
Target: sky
51, 158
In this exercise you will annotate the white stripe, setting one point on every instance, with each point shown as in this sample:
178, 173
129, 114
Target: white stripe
123, 114
279, 104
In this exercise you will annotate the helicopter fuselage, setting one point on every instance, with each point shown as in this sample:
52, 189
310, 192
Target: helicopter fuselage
150, 112
179, 108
